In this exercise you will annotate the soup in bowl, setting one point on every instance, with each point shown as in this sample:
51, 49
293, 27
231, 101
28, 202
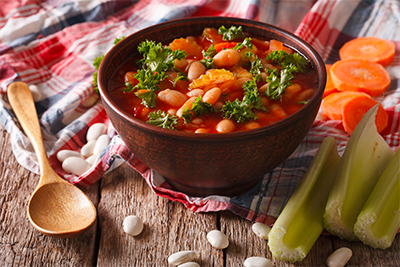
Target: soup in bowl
212, 103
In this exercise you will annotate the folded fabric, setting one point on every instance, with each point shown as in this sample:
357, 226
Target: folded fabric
54, 45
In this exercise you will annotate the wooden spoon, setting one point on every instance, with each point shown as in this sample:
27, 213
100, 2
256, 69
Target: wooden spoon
56, 208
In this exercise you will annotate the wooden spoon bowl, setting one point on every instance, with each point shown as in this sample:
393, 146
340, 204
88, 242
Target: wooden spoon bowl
56, 208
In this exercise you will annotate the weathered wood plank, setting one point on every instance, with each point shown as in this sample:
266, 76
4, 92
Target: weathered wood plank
20, 243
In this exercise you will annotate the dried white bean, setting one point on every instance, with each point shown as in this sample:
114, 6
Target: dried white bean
217, 239
95, 131
92, 160
87, 149
260, 229
90, 100
101, 143
339, 257
257, 262
196, 69
74, 165
225, 126
181, 257
132, 225
64, 154
36, 94
189, 264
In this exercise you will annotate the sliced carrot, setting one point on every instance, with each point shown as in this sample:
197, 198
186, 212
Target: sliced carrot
361, 76
225, 45
355, 109
329, 87
192, 49
275, 45
332, 105
369, 48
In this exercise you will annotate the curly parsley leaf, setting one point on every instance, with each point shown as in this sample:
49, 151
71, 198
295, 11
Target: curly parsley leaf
232, 33
278, 82
242, 111
117, 40
198, 109
148, 98
246, 43
255, 65
294, 61
163, 119
146, 80
208, 56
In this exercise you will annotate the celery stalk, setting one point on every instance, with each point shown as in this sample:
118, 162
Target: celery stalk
379, 220
363, 161
300, 223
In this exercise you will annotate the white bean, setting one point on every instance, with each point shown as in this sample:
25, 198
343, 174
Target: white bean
195, 93
173, 98
189, 264
36, 94
88, 148
132, 225
196, 69
181, 257
339, 257
212, 95
64, 154
225, 126
261, 230
90, 100
101, 143
217, 239
75, 165
226, 58
95, 131
92, 160
257, 262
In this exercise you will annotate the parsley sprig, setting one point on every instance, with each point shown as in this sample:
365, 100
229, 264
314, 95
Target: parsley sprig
162, 119
232, 33
208, 56
279, 81
242, 111
157, 60
246, 43
255, 65
198, 109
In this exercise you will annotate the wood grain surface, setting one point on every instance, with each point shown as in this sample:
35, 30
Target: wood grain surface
168, 227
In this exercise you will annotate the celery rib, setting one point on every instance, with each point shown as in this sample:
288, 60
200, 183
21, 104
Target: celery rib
379, 220
300, 224
364, 159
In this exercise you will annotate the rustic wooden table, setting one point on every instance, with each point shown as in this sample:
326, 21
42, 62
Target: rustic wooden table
169, 227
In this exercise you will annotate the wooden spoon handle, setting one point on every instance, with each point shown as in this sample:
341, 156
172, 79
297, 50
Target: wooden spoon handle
21, 101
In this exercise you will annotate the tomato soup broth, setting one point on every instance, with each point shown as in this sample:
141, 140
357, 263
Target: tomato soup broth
221, 83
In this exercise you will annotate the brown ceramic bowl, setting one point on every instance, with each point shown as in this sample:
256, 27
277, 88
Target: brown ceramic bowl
205, 164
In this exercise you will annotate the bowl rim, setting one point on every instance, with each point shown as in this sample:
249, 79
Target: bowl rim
319, 66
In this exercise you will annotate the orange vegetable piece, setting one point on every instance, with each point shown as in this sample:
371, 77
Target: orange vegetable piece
360, 75
355, 109
225, 45
332, 105
275, 45
369, 48
329, 87
212, 77
192, 49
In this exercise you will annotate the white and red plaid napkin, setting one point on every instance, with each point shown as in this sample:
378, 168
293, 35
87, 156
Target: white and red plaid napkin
52, 44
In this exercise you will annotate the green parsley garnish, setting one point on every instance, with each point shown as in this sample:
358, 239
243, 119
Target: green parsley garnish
242, 111
198, 109
148, 97
208, 55
232, 33
246, 43
163, 119
279, 81
255, 65
157, 60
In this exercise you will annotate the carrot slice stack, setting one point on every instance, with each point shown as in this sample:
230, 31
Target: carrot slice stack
369, 48
361, 76
332, 105
355, 109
